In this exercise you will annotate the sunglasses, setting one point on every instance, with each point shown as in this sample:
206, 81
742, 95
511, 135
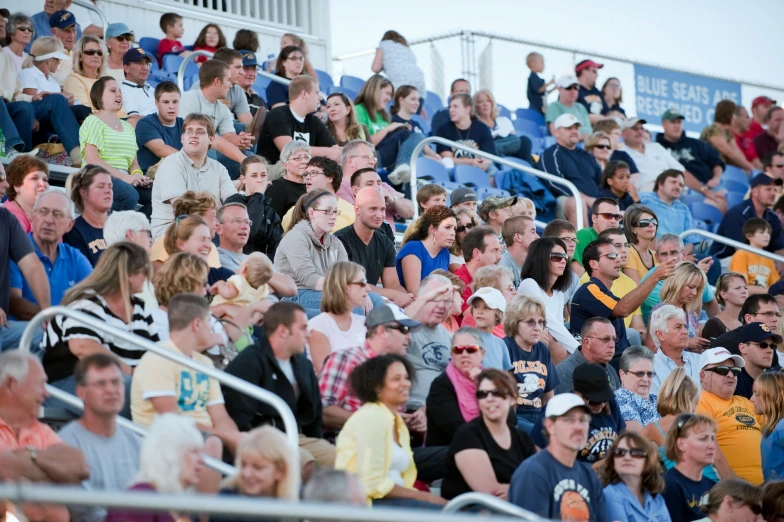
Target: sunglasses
602, 147
557, 257
682, 420
646, 223
93, 52
640, 375
25, 29
610, 216
724, 370
484, 394
611, 255
636, 453
596, 404
471, 348
763, 345
531, 323
124, 38
462, 228
572, 88
399, 327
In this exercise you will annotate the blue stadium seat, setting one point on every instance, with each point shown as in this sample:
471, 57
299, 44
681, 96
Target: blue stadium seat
732, 173
325, 80
150, 45
503, 111
345, 90
425, 124
537, 144
352, 82
518, 160
449, 185
692, 197
528, 127
735, 186
707, 213
486, 192
261, 83
530, 114
172, 62
433, 99
432, 170
188, 81
735, 198
471, 176
549, 141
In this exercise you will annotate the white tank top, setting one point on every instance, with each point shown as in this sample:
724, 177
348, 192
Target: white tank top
398, 464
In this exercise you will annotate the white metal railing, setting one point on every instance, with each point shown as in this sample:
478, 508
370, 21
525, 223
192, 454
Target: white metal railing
496, 159
91, 7
491, 502
732, 243
284, 13
76, 402
251, 390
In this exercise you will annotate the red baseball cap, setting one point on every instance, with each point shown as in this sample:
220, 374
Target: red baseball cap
760, 100
586, 64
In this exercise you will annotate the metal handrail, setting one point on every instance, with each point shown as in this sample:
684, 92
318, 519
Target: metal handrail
188, 59
491, 502
92, 7
731, 242
260, 394
76, 402
496, 159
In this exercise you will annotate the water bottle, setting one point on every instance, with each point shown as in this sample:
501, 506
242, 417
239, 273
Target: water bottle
2, 143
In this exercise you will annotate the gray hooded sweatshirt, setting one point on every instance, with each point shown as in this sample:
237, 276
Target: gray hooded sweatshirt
303, 257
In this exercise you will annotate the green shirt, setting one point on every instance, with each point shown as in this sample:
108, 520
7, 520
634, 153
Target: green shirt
584, 236
579, 111
116, 148
364, 118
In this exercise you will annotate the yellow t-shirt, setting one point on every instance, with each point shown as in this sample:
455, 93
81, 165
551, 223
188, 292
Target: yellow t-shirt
739, 433
247, 294
346, 218
759, 271
158, 253
620, 287
635, 262
156, 376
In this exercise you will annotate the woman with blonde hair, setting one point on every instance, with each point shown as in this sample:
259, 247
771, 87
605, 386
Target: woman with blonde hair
731, 292
337, 327
342, 120
599, 146
427, 248
507, 142
191, 234
683, 289
90, 59
189, 204
768, 400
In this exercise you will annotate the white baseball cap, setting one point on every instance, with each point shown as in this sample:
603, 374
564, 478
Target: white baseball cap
492, 298
562, 403
566, 81
717, 355
565, 121
631, 122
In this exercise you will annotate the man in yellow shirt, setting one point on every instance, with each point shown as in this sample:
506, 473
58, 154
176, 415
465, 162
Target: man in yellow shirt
739, 433
324, 173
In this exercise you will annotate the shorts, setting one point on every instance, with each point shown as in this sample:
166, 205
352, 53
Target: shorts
315, 450
560, 206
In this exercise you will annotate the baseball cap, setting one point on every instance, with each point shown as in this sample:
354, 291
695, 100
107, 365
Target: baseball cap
249, 59
631, 122
564, 121
762, 100
585, 64
461, 195
136, 54
717, 355
764, 179
388, 314
591, 380
563, 402
672, 115
566, 81
494, 203
756, 332
117, 29
493, 298
62, 20
776, 288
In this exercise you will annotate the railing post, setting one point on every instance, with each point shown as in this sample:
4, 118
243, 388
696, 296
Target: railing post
731, 242
488, 501
91, 7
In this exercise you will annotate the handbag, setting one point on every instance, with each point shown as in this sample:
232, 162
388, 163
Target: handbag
54, 152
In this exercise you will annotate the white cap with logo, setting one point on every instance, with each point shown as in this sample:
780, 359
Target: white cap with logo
565, 121
493, 298
717, 355
562, 403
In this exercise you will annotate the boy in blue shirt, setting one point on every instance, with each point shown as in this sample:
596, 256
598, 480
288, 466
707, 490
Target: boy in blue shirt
537, 87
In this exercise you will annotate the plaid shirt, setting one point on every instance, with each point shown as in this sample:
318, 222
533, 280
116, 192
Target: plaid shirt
333, 379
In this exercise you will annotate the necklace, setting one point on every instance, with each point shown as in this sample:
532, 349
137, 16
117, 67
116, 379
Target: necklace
460, 133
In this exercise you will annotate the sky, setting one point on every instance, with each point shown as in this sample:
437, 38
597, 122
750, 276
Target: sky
724, 38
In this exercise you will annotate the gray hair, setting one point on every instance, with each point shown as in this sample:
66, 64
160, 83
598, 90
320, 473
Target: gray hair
120, 222
350, 149
430, 279
15, 364
658, 321
160, 459
473, 332
664, 238
633, 354
14, 21
292, 147
59, 191
335, 487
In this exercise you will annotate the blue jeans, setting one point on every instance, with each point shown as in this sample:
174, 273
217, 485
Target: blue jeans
68, 385
376, 299
406, 148
125, 195
52, 111
516, 146
526, 421
308, 299
8, 125
11, 335
232, 166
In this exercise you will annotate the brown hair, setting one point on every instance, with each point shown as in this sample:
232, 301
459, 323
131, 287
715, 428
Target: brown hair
773, 500
740, 491
210, 71
18, 170
677, 394
652, 481
336, 282
725, 110
283, 55
96, 360
770, 388
301, 83
681, 429
723, 284
502, 380
557, 227
181, 273
428, 191
96, 91
431, 218
620, 95
181, 230
200, 119
169, 19
183, 309
166, 88
367, 96
402, 92
395, 37
201, 40
664, 176
191, 202
246, 40
607, 125
456, 281
304, 203
593, 140
353, 128
82, 180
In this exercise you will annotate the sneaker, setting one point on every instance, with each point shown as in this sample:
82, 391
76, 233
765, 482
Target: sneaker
401, 174
14, 153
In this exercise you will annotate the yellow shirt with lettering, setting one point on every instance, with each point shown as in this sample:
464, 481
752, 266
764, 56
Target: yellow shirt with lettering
620, 287
739, 435
759, 271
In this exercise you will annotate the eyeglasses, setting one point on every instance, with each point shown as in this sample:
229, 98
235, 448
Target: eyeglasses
569, 240
611, 255
763, 345
197, 132
471, 348
399, 327
484, 394
682, 420
358, 283
56, 214
462, 228
572, 88
724, 370
239, 221
299, 158
296, 58
531, 323
124, 38
327, 212
25, 29
640, 375
557, 257
769, 315
635, 453
602, 147
312, 173
646, 223
368, 157
92, 52
605, 340
610, 216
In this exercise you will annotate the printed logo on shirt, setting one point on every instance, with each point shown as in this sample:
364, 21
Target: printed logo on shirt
573, 500
193, 394
301, 136
97, 245
436, 355
683, 155
599, 443
532, 373
746, 420
464, 154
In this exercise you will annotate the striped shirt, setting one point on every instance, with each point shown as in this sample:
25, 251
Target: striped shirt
59, 361
118, 149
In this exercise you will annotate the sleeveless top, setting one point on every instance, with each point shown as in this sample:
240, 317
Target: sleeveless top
709, 471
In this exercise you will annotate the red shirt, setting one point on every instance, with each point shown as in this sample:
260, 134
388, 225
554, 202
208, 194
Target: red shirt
167, 46
202, 59
747, 146
333, 378
754, 130
467, 278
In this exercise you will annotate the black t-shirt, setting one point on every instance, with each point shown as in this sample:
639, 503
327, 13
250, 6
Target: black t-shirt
375, 257
281, 122
475, 435
682, 495
277, 93
14, 245
87, 239
218, 274
283, 194
601, 108
477, 136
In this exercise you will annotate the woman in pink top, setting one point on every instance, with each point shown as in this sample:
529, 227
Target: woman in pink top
28, 178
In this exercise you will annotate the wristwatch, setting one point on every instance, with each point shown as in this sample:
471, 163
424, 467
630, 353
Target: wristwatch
33, 454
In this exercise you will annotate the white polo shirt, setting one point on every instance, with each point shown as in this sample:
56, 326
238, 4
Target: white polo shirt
138, 99
33, 78
663, 366
655, 160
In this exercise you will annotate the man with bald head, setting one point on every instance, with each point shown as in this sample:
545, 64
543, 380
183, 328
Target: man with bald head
368, 246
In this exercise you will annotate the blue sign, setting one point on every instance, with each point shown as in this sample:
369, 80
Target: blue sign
693, 96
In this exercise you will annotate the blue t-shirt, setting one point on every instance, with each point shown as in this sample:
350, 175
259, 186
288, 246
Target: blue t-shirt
69, 268
593, 299
543, 485
417, 248
86, 239
277, 93
602, 432
477, 136
682, 495
535, 374
496, 354
535, 98
150, 128
623, 505
772, 447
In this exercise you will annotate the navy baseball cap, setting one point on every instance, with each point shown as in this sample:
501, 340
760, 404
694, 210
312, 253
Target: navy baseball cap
756, 332
249, 59
62, 20
764, 179
136, 54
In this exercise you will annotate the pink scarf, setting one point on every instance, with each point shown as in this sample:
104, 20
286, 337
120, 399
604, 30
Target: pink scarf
465, 389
